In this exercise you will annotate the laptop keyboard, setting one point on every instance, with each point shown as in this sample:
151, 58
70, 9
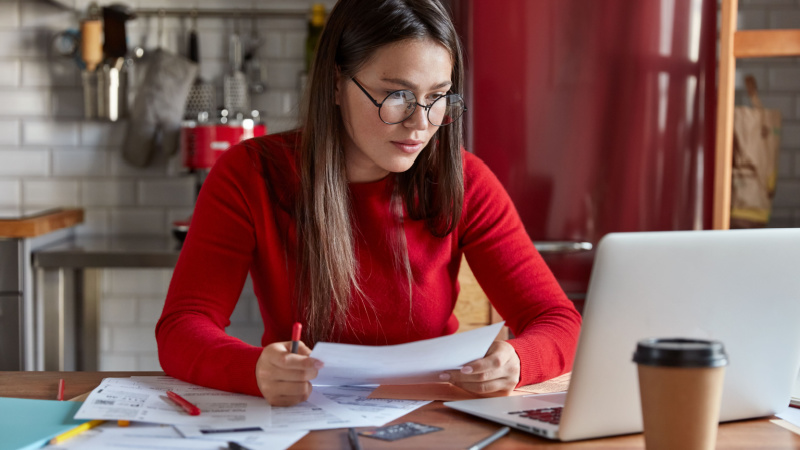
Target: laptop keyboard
547, 415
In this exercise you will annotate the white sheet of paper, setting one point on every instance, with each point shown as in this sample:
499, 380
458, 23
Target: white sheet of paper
145, 400
103, 442
317, 413
327, 407
374, 412
791, 415
268, 440
258, 440
414, 362
111, 436
253, 440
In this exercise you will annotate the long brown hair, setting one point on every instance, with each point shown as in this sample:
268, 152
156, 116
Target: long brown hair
431, 190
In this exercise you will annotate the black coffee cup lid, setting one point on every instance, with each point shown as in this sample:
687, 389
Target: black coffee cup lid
680, 352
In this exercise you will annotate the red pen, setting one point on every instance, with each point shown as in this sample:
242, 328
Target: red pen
60, 396
296, 330
183, 403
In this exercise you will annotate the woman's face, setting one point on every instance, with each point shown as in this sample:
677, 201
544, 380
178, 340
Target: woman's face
372, 148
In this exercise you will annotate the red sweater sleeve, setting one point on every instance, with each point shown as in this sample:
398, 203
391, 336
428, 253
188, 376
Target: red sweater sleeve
515, 277
207, 283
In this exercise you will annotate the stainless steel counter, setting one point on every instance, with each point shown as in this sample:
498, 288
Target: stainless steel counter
68, 292
109, 251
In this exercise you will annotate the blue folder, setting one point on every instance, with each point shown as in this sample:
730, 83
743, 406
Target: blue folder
28, 424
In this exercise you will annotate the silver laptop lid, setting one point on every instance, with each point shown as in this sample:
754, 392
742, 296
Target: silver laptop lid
741, 287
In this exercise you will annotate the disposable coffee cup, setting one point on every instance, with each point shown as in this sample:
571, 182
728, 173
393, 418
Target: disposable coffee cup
680, 383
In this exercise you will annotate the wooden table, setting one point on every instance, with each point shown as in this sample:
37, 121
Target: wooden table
460, 430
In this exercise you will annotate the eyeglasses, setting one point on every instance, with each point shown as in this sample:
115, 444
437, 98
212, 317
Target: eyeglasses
400, 105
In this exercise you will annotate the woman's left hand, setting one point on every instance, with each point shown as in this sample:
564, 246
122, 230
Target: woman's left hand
497, 373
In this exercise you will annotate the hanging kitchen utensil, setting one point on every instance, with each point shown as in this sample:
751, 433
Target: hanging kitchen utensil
92, 43
115, 41
112, 90
66, 43
202, 95
161, 15
236, 99
157, 112
111, 77
256, 71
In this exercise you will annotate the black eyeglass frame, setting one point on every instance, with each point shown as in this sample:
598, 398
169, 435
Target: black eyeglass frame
427, 108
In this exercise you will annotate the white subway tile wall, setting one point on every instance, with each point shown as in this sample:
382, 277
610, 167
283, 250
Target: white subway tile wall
9, 72
30, 102
51, 156
132, 300
96, 221
139, 221
51, 192
9, 132
70, 161
49, 132
9, 14
67, 104
102, 133
60, 72
10, 194
170, 192
24, 163
108, 193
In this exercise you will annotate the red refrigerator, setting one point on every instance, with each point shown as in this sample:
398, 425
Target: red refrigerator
596, 115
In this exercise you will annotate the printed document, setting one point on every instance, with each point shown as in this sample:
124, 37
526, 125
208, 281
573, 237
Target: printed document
327, 407
144, 399
414, 362
226, 416
372, 412
110, 436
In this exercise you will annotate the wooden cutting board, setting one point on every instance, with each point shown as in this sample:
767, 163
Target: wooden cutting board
37, 225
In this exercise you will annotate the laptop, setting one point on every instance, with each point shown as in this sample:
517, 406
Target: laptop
741, 287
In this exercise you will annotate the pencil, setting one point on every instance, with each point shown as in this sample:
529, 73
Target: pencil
296, 330
75, 431
484, 442
353, 436
190, 408
60, 396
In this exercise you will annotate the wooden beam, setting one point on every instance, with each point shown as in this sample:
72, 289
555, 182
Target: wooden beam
721, 209
766, 43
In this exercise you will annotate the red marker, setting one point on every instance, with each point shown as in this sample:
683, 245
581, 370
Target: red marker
296, 330
183, 403
60, 390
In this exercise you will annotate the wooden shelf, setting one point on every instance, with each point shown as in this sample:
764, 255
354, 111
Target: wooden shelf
735, 44
766, 43
42, 224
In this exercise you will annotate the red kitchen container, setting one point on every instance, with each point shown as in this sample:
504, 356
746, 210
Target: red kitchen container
202, 144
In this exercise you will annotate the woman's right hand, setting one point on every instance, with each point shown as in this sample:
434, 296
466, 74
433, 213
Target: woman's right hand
283, 377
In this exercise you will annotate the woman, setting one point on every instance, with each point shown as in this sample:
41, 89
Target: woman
355, 224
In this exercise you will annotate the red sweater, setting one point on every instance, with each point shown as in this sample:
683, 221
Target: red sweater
240, 225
